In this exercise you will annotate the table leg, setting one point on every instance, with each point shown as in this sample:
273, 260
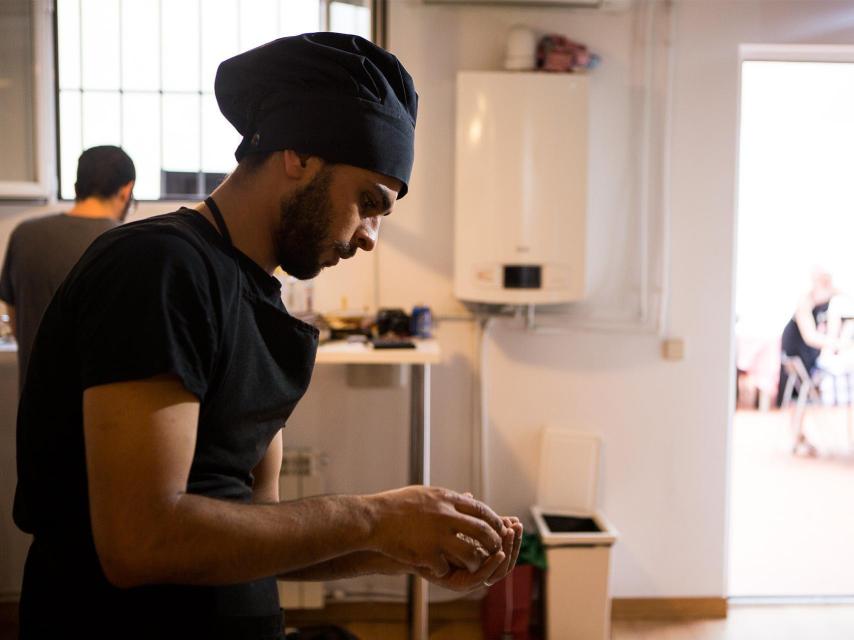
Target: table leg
419, 473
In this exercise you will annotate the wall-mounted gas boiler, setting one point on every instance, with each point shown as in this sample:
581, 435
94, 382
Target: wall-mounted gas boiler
521, 187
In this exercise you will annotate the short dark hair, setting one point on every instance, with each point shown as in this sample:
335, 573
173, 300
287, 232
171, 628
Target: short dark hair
253, 161
102, 171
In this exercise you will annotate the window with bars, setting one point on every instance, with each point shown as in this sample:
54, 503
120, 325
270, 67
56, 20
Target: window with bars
140, 73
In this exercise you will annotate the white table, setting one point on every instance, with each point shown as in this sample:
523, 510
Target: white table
14, 544
419, 360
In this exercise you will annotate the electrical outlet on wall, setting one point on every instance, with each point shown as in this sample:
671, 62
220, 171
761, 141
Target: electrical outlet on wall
673, 349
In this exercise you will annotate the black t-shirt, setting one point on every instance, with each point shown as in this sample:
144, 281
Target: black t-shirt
164, 295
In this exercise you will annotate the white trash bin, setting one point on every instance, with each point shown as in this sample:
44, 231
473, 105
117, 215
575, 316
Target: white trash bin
577, 538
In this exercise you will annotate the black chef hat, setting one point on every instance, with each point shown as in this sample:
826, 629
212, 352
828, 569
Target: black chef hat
332, 95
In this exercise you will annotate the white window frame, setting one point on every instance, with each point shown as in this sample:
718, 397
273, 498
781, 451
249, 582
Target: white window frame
795, 53
378, 16
44, 187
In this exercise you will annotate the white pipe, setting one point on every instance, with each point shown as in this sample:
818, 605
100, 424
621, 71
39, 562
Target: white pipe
476, 478
666, 174
646, 144
612, 327
480, 441
530, 322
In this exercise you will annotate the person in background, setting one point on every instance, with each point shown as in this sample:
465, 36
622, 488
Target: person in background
150, 425
42, 251
837, 359
806, 334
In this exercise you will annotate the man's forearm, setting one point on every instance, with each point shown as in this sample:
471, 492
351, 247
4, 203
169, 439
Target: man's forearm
205, 541
352, 565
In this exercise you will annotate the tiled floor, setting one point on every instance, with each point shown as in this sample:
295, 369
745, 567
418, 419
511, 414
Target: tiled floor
792, 517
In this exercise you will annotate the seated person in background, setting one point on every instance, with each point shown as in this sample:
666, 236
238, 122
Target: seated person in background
838, 359
806, 334
42, 251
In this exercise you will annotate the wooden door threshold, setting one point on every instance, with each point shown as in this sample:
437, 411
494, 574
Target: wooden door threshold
668, 608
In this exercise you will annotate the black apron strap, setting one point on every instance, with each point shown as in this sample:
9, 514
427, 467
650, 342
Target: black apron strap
220, 221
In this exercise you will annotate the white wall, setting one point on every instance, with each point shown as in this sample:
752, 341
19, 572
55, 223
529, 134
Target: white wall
664, 425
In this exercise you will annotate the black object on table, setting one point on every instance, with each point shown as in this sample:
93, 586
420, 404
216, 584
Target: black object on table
392, 343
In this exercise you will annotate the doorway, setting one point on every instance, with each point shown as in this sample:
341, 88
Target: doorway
791, 517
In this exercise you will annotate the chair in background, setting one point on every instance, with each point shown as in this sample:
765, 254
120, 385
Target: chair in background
841, 382
807, 386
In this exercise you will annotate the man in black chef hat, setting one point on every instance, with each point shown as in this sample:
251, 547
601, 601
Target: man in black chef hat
150, 424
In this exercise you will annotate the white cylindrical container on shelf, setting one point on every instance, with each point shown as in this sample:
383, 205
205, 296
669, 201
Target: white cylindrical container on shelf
521, 49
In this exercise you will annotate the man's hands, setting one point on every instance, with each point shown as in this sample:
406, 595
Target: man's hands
512, 544
448, 538
418, 526
494, 568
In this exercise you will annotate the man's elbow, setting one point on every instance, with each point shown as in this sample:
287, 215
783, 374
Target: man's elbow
121, 570
129, 558
125, 566
120, 574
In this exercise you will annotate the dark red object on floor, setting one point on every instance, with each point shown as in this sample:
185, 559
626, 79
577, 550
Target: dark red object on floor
506, 610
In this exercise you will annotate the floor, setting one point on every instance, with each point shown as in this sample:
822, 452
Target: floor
792, 516
816, 622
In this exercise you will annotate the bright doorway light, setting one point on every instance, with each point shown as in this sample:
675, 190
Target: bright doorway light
796, 184
791, 522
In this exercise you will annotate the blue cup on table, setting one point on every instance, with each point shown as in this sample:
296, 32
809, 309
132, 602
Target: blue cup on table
421, 323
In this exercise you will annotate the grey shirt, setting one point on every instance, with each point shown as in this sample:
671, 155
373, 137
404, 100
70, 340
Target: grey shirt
40, 255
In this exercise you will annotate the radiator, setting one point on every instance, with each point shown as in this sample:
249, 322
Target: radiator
300, 477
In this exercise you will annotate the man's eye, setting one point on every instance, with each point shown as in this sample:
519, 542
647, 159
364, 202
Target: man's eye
368, 203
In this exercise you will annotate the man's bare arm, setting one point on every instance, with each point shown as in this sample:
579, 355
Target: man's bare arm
352, 565
360, 563
266, 473
140, 438
266, 491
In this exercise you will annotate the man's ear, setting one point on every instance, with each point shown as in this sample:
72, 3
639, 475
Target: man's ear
125, 191
300, 166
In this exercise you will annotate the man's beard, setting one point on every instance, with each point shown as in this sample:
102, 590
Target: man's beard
306, 217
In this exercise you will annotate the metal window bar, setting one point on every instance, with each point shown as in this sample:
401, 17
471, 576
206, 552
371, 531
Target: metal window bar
57, 151
378, 16
121, 81
80, 29
160, 81
200, 178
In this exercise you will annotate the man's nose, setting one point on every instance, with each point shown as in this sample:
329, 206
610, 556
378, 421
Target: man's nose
367, 233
